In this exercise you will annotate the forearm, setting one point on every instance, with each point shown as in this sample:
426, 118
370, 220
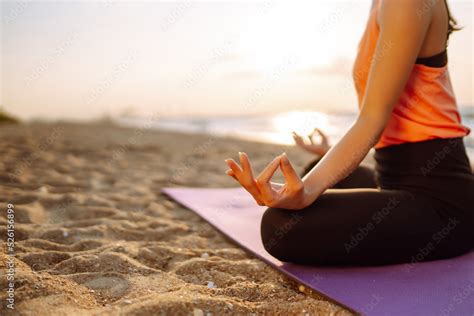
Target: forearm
343, 157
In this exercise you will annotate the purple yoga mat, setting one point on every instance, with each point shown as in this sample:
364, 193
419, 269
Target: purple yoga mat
444, 287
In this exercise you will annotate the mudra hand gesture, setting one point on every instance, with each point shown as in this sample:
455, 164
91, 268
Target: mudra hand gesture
290, 195
319, 148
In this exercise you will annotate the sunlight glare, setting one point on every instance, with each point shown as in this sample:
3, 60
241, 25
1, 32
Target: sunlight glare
302, 123
286, 32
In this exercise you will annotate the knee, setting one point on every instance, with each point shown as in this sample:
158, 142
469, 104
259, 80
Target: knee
291, 237
277, 233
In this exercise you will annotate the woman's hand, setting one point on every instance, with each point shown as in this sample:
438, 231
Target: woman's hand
320, 148
291, 195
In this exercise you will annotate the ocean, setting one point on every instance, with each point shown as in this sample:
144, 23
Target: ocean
275, 128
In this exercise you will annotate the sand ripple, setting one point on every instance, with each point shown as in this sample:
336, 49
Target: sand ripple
94, 235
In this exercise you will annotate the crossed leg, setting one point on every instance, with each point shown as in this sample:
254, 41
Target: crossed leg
363, 226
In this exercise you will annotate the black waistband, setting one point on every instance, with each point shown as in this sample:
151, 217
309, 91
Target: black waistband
437, 167
438, 156
437, 61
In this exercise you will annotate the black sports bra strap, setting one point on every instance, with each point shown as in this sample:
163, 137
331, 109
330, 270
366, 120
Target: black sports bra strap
441, 59
438, 60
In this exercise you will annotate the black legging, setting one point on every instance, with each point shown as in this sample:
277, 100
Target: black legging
416, 206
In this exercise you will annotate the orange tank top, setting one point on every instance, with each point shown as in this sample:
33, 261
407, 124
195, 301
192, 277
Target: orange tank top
426, 109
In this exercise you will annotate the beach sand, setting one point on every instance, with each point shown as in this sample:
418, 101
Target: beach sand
95, 235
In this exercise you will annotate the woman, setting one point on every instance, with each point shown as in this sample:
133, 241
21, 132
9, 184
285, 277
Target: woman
420, 205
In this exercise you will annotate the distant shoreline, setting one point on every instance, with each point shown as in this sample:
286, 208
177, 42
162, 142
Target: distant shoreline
268, 129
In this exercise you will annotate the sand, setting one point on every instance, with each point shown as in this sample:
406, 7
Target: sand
95, 235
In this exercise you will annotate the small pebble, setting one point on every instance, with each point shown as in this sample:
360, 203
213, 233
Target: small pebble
301, 288
211, 285
205, 255
43, 190
127, 301
198, 312
65, 233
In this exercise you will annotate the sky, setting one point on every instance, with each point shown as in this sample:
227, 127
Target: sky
87, 59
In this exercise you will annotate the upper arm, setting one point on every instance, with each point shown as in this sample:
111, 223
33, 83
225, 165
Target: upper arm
403, 25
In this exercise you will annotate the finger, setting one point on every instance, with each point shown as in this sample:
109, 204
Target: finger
263, 180
234, 166
252, 190
245, 176
299, 142
320, 132
289, 173
310, 136
231, 174
246, 167
298, 139
269, 170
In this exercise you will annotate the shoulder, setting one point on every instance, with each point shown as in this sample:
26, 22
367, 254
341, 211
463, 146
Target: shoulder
418, 6
405, 11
